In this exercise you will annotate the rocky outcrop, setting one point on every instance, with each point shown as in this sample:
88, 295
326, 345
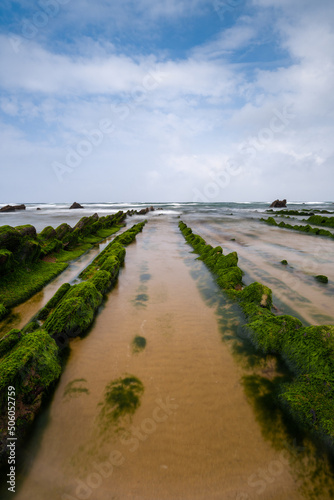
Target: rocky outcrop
12, 208
278, 204
143, 211
76, 205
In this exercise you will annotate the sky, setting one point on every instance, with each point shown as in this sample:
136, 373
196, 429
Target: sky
166, 100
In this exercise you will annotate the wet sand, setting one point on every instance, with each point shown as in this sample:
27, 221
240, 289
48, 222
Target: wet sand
23, 313
199, 432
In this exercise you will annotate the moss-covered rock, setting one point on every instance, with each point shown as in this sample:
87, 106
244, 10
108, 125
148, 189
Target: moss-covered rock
230, 277
102, 280
54, 301
310, 399
284, 262
9, 341
257, 294
320, 220
31, 327
321, 278
224, 262
311, 349
27, 230
63, 232
29, 251
111, 264
3, 312
85, 225
48, 233
51, 246
30, 366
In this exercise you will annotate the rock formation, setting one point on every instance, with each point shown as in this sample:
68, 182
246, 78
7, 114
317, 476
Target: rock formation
12, 208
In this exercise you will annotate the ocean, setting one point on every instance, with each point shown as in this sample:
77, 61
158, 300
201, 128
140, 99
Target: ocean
53, 214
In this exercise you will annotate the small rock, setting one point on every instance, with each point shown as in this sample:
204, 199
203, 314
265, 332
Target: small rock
76, 205
321, 278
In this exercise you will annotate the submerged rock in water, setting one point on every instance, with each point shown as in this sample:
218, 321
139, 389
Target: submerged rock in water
12, 208
76, 205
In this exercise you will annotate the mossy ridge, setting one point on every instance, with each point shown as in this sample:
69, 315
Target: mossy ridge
24, 282
122, 398
30, 358
308, 351
75, 312
303, 211
3, 312
32, 366
305, 229
225, 268
112, 257
77, 307
320, 220
138, 344
53, 302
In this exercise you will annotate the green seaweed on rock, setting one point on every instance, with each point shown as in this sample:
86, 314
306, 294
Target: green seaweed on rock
308, 351
53, 302
138, 344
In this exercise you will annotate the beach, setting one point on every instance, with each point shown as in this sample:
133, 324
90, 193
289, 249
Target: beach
207, 425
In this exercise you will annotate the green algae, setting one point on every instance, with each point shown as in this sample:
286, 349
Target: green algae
102, 280
138, 344
53, 302
30, 366
321, 278
305, 229
9, 341
21, 268
230, 277
268, 332
24, 282
6, 261
29, 359
122, 398
319, 220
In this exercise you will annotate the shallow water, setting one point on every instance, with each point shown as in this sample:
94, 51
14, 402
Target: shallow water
206, 426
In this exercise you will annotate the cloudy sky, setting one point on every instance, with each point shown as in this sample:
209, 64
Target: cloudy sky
166, 100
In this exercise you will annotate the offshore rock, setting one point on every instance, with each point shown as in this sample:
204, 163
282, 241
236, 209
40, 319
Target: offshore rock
278, 204
12, 208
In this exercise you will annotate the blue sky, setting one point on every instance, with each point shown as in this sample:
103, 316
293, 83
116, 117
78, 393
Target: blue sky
193, 100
